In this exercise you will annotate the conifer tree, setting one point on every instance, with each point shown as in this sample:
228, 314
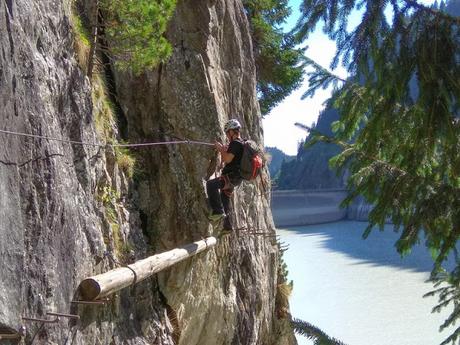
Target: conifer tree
279, 62
131, 33
400, 120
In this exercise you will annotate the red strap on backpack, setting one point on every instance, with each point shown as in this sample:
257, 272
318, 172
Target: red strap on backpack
256, 165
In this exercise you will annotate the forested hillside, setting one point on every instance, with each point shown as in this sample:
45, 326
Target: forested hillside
310, 169
276, 158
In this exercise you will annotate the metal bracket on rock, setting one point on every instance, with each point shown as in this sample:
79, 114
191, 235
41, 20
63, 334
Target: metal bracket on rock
34, 319
96, 302
69, 316
56, 317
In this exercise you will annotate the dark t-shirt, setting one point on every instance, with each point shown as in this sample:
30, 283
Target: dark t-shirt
233, 168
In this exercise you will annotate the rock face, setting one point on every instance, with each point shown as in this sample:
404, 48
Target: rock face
68, 211
227, 296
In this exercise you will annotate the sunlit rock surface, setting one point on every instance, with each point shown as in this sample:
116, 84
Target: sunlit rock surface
69, 211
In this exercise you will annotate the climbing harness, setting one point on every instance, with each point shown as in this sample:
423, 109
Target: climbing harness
228, 186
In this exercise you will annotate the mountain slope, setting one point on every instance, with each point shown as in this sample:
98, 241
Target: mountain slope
310, 169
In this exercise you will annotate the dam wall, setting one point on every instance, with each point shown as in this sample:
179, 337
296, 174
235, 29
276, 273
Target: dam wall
307, 207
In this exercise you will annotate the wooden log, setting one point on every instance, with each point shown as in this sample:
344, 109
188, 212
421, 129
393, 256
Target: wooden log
102, 285
10, 336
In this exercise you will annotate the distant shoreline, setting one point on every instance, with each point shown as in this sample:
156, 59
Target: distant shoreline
317, 206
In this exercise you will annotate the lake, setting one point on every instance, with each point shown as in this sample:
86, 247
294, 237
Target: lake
360, 291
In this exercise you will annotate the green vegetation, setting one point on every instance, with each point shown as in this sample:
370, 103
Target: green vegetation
106, 127
310, 169
283, 287
103, 109
125, 160
399, 128
134, 31
79, 29
104, 115
276, 158
279, 62
314, 333
109, 198
81, 41
128, 33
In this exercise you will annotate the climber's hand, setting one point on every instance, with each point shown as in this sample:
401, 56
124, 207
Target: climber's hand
220, 147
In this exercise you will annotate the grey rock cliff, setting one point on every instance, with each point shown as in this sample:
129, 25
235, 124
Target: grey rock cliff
52, 229
60, 221
226, 296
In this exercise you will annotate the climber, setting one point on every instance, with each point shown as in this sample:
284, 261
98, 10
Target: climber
221, 188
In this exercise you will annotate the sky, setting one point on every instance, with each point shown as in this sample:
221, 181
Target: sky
279, 129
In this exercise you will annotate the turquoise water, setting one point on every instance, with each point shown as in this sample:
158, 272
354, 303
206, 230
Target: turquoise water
360, 291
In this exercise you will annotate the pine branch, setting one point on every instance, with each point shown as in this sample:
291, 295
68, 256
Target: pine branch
322, 78
319, 78
433, 11
398, 130
447, 296
393, 179
314, 333
317, 136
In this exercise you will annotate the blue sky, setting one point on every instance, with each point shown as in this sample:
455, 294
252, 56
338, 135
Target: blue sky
279, 129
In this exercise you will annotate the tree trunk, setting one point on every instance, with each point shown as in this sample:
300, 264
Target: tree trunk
94, 40
107, 283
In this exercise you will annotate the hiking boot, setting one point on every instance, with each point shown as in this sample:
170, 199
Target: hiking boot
227, 224
227, 227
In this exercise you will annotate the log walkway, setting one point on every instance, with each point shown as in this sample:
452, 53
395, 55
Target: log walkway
102, 285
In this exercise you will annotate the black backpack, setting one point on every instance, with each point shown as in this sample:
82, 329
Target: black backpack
252, 160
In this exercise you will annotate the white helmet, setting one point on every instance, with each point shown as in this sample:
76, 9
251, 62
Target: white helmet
232, 124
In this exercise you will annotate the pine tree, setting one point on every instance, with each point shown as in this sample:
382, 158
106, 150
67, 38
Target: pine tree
400, 119
279, 62
131, 33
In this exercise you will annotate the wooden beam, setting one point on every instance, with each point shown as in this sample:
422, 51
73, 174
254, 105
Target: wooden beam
102, 285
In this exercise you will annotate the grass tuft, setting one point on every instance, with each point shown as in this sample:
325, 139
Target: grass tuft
81, 41
125, 160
